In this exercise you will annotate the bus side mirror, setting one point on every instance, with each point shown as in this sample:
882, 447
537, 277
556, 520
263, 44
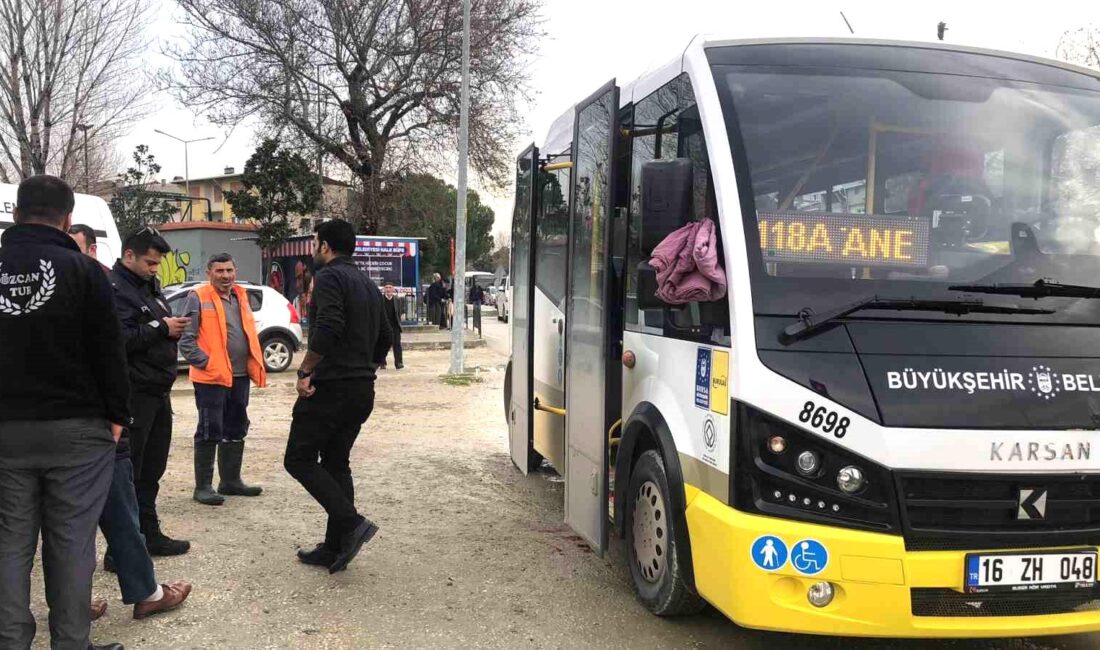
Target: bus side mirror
666, 199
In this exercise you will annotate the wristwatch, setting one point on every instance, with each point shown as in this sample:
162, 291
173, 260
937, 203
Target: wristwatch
303, 375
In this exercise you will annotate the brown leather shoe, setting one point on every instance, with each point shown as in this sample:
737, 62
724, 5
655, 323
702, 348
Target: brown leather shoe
99, 608
174, 595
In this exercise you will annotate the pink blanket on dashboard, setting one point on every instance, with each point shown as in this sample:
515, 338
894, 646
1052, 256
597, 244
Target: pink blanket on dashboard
687, 265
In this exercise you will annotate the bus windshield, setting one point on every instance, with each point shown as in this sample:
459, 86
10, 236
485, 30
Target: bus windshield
905, 183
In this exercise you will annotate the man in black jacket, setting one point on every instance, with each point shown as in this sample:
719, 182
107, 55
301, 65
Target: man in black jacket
348, 340
151, 334
394, 306
63, 404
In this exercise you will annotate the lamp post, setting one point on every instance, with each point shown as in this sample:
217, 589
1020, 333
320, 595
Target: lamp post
458, 283
84, 128
186, 171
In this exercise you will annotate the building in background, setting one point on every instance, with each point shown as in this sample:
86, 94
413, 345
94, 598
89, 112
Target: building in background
210, 192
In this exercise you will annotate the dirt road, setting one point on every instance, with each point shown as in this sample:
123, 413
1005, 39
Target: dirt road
470, 553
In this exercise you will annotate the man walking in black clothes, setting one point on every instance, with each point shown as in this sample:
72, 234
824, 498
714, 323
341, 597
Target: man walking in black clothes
151, 334
348, 340
436, 297
63, 404
394, 306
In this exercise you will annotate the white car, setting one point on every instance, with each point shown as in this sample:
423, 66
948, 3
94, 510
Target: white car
278, 325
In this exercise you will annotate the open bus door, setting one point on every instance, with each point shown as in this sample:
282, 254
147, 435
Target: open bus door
520, 395
589, 410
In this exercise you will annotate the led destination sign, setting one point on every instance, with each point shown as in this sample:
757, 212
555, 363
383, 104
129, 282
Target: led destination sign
850, 239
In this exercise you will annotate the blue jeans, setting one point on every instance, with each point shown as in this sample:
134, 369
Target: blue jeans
119, 522
223, 412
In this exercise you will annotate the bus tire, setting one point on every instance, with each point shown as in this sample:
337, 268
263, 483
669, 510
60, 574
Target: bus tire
508, 394
659, 579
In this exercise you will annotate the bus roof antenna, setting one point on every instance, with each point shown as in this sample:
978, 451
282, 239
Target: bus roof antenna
940, 29
847, 23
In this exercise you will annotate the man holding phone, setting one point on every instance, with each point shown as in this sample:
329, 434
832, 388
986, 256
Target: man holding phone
152, 335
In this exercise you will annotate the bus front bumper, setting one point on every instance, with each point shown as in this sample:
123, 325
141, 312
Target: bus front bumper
875, 582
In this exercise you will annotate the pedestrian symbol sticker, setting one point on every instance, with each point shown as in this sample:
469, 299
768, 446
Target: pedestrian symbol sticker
809, 557
769, 553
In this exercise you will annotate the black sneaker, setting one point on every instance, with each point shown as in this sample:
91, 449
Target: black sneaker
351, 543
321, 555
399, 366
160, 545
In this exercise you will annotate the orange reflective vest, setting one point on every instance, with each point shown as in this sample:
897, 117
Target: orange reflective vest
214, 340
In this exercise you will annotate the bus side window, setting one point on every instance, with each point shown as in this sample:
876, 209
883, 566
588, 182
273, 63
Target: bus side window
653, 136
667, 126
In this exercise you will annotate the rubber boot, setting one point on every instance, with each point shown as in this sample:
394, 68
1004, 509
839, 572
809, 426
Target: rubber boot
204, 474
157, 543
230, 458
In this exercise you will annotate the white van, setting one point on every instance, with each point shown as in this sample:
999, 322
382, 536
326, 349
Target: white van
90, 210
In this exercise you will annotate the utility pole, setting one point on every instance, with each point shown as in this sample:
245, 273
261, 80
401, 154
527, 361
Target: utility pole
87, 179
186, 164
458, 284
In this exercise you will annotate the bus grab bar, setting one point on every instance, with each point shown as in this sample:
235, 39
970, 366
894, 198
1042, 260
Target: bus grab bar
549, 409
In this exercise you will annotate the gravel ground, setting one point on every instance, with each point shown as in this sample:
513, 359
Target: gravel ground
470, 554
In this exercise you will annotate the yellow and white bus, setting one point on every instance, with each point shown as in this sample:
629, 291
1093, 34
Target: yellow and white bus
886, 427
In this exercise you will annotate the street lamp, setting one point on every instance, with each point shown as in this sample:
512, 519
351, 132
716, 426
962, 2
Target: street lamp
186, 172
84, 128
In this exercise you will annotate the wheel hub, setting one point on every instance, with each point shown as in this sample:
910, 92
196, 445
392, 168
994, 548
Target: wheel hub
277, 354
650, 532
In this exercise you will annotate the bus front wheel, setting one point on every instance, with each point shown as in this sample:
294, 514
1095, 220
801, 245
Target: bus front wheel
658, 576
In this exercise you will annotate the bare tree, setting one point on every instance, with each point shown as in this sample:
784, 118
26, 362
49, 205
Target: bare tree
1080, 46
66, 64
373, 84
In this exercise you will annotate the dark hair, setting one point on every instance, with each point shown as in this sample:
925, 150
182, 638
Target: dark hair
338, 234
387, 284
219, 258
85, 230
45, 199
147, 238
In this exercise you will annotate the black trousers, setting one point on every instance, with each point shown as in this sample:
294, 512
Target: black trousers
396, 346
150, 441
323, 430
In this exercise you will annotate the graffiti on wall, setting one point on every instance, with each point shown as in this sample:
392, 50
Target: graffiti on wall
173, 267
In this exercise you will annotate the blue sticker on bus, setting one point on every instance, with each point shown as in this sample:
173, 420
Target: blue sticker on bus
769, 553
809, 557
702, 379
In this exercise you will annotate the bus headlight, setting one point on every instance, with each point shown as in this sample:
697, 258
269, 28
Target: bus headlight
850, 479
808, 463
783, 471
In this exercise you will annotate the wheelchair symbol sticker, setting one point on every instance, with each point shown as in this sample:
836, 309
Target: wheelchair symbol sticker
769, 553
809, 557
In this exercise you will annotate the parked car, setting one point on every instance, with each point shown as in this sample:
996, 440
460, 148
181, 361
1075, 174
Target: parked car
504, 299
278, 325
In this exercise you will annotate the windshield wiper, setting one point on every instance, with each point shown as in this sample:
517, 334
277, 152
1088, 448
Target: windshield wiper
1038, 289
809, 322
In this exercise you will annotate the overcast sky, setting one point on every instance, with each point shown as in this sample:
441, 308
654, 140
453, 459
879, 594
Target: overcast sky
590, 41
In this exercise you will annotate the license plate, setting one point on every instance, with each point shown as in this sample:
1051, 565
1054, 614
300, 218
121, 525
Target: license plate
1023, 572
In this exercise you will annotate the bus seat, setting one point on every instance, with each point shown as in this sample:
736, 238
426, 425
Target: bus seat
666, 199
